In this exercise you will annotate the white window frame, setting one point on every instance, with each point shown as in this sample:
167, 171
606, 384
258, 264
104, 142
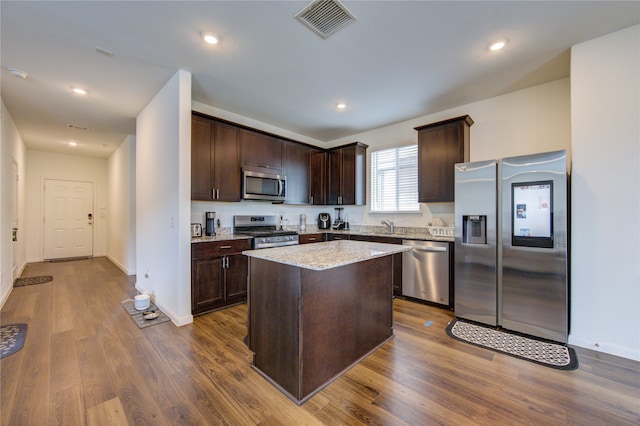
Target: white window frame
401, 172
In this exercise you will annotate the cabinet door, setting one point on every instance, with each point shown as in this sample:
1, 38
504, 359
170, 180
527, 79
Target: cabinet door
296, 168
261, 150
440, 146
236, 278
226, 169
334, 178
318, 178
201, 159
207, 284
347, 175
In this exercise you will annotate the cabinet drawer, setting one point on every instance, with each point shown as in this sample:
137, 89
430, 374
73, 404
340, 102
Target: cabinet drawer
219, 248
310, 238
376, 239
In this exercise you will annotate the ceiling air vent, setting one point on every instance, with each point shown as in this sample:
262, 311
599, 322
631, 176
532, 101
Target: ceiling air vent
325, 17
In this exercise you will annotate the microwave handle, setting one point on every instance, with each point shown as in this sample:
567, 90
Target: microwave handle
280, 186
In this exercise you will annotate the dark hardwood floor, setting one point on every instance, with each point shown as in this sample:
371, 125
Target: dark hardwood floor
86, 362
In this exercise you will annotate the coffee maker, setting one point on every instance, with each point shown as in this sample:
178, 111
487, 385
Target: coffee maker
338, 222
324, 221
210, 223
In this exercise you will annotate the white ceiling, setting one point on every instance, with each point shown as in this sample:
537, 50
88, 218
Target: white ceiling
397, 61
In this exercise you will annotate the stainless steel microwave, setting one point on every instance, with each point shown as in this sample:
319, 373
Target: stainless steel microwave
257, 185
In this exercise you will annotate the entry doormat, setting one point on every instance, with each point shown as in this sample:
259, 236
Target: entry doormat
139, 316
540, 351
12, 339
19, 282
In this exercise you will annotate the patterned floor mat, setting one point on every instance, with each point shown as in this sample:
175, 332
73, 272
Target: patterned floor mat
12, 338
19, 282
544, 352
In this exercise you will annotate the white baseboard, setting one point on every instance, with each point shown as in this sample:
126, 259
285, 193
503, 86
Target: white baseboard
120, 266
605, 347
5, 296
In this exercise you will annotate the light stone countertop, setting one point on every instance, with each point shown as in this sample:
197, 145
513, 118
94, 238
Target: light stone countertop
219, 237
326, 255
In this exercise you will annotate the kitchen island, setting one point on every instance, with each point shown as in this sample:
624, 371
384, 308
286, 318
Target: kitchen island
316, 310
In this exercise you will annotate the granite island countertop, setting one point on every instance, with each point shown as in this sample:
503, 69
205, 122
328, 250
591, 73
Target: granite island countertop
326, 255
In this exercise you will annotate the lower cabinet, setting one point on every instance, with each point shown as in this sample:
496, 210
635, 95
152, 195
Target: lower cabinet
218, 274
396, 274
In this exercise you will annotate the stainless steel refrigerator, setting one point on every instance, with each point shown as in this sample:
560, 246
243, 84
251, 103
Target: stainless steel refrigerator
511, 233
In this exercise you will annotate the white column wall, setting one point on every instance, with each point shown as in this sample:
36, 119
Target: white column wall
163, 198
605, 265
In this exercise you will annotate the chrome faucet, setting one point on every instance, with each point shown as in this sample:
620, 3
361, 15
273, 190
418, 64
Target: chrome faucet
390, 225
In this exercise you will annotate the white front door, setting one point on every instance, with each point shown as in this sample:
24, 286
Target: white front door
68, 219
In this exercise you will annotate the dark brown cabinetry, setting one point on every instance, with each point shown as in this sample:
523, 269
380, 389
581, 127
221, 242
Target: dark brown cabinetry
260, 150
318, 177
334, 237
440, 146
347, 173
215, 160
296, 169
396, 274
218, 274
220, 149
310, 238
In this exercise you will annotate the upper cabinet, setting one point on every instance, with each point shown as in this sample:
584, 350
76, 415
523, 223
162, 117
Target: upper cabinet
261, 150
220, 149
215, 160
440, 146
318, 177
347, 174
296, 169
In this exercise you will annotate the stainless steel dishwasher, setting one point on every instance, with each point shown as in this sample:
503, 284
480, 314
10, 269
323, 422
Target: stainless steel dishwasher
425, 271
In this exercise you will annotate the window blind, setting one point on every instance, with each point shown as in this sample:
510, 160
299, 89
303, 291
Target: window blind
394, 179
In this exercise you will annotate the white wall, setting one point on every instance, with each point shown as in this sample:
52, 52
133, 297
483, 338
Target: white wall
121, 243
43, 165
163, 206
605, 98
12, 254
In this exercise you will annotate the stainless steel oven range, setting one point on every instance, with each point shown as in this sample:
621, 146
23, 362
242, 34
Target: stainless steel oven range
264, 230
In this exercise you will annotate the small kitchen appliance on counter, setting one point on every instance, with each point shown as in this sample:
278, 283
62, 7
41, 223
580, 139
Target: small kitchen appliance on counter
324, 221
338, 223
210, 223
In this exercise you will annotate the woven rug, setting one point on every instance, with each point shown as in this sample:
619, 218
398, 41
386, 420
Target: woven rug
19, 282
540, 351
138, 316
12, 339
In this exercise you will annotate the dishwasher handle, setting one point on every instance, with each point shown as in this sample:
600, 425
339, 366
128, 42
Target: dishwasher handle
431, 249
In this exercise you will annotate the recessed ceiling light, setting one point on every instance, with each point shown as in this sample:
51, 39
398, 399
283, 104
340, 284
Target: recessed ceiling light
498, 45
72, 143
341, 105
18, 73
210, 38
79, 91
